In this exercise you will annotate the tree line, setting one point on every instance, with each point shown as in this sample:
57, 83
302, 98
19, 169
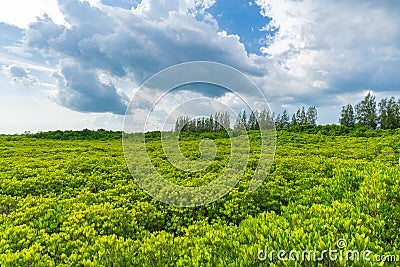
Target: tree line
214, 123
85, 134
300, 118
256, 119
373, 115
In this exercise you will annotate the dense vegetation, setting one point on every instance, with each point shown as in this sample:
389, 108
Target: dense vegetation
264, 119
366, 114
214, 123
73, 202
384, 115
84, 134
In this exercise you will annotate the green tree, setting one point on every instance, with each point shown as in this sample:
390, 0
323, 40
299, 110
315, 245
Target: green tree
226, 121
366, 112
285, 119
239, 122
257, 124
303, 116
347, 117
278, 121
211, 124
389, 113
252, 121
262, 119
294, 121
312, 115
244, 120
270, 119
182, 124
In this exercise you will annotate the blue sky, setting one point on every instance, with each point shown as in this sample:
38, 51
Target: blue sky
244, 19
76, 64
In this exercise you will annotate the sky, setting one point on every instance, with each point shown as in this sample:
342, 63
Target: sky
77, 64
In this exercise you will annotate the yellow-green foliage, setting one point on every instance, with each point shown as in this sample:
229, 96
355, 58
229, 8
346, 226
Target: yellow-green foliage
74, 203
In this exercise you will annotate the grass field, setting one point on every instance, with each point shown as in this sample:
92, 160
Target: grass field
74, 203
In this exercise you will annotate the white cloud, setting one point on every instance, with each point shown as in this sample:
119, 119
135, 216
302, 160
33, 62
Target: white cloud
132, 43
23, 12
19, 74
321, 49
330, 47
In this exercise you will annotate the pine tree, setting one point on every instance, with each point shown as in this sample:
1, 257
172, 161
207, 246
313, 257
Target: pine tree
262, 119
257, 115
211, 124
226, 121
303, 116
238, 123
252, 121
366, 112
217, 122
285, 119
244, 120
389, 114
270, 120
177, 125
278, 121
294, 121
298, 117
312, 115
347, 117
183, 124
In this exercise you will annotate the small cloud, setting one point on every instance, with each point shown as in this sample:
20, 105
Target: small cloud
15, 71
19, 74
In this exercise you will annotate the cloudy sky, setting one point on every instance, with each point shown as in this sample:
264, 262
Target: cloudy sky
76, 64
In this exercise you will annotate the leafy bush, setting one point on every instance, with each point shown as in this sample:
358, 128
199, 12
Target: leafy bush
74, 202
